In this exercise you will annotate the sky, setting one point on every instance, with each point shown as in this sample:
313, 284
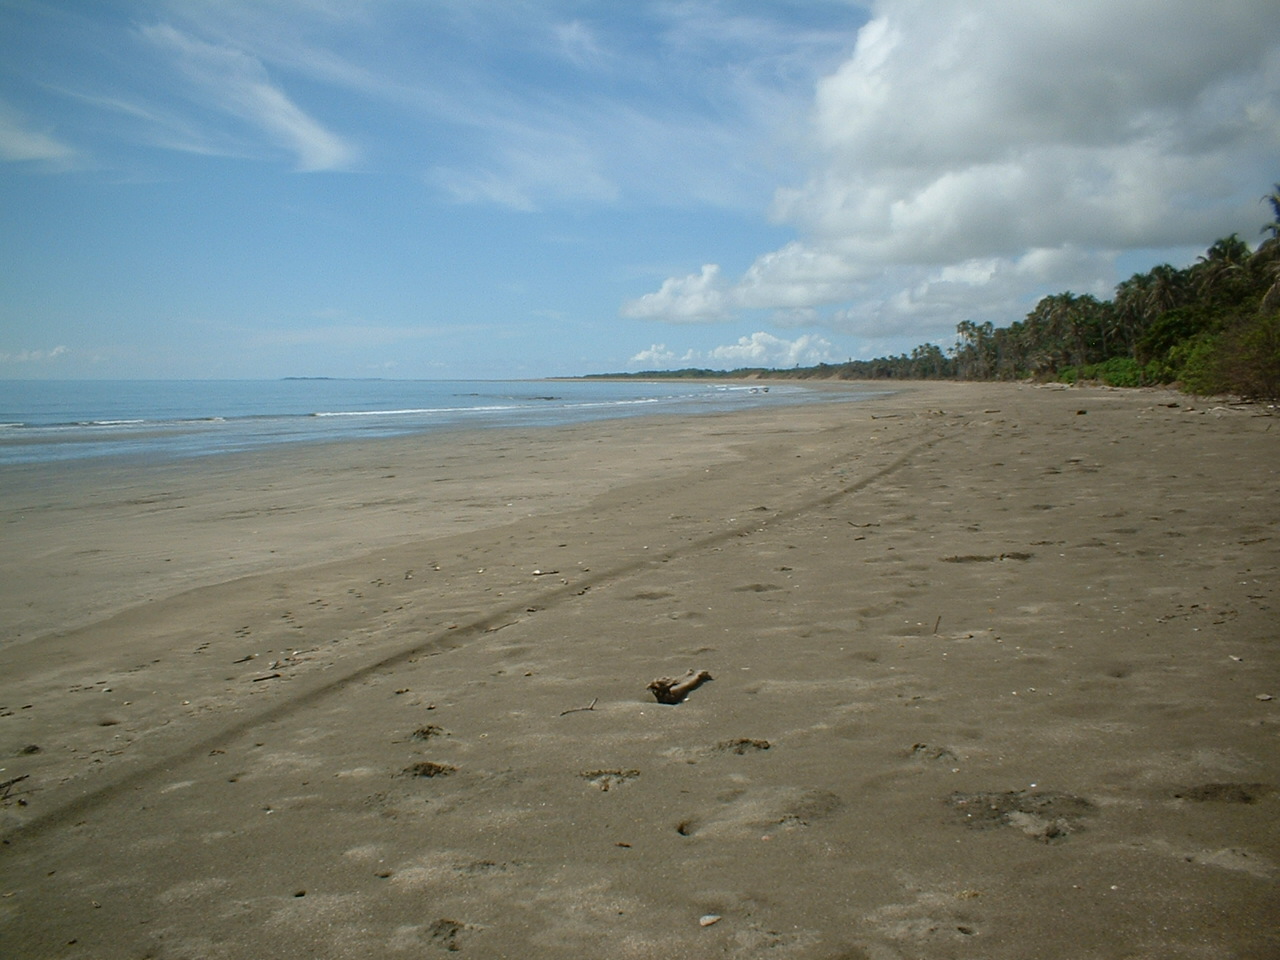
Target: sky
528, 188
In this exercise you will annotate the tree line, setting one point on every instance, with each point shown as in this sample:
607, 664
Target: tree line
1210, 328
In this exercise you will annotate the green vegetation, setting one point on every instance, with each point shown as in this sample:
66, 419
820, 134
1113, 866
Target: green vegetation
1213, 327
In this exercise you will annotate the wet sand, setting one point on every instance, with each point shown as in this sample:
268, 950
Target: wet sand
993, 669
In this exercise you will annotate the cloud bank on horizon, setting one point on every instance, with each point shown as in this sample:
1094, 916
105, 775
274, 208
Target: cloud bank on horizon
424, 188
970, 157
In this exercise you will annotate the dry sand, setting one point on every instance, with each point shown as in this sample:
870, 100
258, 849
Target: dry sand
993, 668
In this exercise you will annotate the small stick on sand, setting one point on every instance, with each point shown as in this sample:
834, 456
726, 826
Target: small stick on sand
590, 706
936, 624
667, 690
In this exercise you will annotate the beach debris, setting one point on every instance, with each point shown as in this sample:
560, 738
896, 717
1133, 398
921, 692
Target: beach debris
269, 676
427, 732
987, 558
668, 690
7, 786
707, 919
606, 780
545, 573
590, 706
1264, 697
428, 768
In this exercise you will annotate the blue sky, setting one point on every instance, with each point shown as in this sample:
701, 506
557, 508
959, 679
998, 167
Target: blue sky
474, 188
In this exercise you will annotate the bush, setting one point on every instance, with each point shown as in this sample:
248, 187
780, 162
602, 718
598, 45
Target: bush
1249, 358
1119, 372
1197, 364
1116, 372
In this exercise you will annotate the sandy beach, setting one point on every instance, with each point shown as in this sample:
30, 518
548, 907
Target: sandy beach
994, 675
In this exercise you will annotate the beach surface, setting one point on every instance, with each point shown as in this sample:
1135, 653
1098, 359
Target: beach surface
994, 675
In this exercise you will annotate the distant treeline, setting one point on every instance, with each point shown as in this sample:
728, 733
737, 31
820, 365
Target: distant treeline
1211, 328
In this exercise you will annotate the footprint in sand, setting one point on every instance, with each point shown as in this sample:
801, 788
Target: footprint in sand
745, 811
427, 768
742, 745
1226, 793
1041, 815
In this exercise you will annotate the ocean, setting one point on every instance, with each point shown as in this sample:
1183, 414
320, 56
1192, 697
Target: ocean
51, 421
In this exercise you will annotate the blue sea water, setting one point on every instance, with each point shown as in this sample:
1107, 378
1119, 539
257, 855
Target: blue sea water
51, 421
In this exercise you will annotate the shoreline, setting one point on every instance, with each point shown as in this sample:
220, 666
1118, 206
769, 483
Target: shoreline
143, 528
989, 666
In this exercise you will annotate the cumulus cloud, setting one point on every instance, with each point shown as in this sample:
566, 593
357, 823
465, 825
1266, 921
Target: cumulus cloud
757, 350
237, 84
969, 157
659, 357
764, 349
696, 298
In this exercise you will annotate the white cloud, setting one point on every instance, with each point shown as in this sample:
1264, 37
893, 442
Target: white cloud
578, 44
696, 298
33, 356
656, 101
237, 84
969, 157
18, 142
764, 349
541, 167
757, 350
658, 356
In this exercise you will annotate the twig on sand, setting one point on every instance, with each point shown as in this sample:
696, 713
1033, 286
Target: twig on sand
269, 676
590, 706
936, 624
667, 690
7, 786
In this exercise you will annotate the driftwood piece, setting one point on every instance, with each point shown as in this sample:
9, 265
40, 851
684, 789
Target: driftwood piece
668, 690
7, 787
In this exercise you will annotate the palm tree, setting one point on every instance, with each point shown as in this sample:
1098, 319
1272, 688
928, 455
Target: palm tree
1168, 289
1222, 262
1273, 199
973, 350
1132, 313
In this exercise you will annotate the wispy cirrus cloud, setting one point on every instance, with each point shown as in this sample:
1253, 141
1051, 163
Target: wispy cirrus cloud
554, 102
20, 142
237, 84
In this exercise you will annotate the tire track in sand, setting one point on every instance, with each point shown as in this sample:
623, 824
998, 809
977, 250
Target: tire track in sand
442, 641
